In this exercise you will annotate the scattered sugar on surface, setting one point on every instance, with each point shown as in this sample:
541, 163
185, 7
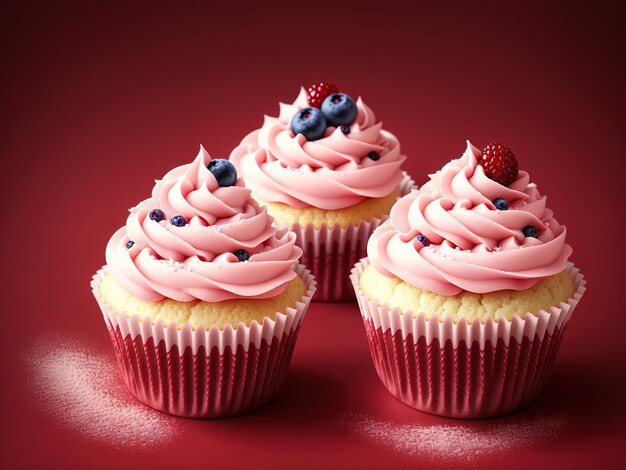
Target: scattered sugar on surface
83, 391
465, 441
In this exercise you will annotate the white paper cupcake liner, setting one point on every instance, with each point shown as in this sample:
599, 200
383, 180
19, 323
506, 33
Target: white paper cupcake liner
331, 252
464, 370
204, 373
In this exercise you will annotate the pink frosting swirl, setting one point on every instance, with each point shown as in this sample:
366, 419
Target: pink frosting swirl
473, 247
197, 261
333, 172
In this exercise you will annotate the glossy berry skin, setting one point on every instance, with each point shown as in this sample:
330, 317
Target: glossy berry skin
157, 215
345, 129
499, 163
224, 172
423, 239
317, 93
242, 255
373, 156
178, 221
530, 231
310, 122
339, 109
501, 204
130, 244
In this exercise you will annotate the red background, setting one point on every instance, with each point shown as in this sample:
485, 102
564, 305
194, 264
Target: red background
99, 101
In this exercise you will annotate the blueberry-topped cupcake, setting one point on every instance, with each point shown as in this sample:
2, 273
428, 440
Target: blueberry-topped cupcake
473, 260
327, 169
199, 266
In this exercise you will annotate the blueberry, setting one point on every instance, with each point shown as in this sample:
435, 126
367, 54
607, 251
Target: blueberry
374, 156
501, 204
224, 171
339, 109
242, 255
310, 122
423, 240
530, 231
178, 221
130, 244
157, 215
345, 129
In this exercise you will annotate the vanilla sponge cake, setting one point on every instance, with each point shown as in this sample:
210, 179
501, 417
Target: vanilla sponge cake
364, 210
394, 292
200, 313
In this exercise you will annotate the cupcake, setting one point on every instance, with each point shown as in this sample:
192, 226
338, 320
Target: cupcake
202, 295
326, 169
467, 289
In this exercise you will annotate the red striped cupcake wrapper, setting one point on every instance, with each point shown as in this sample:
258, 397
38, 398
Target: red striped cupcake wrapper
464, 370
203, 373
331, 252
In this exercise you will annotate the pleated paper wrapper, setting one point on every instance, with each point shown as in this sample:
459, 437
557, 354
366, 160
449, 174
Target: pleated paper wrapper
204, 373
464, 370
331, 252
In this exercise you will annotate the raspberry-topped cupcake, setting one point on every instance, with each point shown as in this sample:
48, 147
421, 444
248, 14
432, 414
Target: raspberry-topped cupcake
469, 280
327, 169
200, 288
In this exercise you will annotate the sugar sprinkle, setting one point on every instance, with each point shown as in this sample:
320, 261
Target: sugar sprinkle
82, 390
453, 442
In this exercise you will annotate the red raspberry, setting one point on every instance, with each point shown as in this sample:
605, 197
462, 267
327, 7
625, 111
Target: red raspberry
499, 163
317, 92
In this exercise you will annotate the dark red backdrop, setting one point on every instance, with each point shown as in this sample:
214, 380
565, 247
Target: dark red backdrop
99, 101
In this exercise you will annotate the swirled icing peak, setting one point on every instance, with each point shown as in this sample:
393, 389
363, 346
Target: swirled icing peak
448, 237
332, 172
157, 259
